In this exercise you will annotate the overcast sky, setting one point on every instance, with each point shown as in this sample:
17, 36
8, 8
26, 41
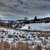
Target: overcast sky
21, 8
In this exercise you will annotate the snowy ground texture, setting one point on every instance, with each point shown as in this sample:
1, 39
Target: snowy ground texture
11, 35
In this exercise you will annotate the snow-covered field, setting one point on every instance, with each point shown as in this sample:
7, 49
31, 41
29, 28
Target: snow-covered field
11, 35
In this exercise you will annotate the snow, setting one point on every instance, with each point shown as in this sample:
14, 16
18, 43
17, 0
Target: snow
21, 36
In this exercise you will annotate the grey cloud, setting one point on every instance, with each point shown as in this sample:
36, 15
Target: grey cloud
44, 7
46, 0
24, 7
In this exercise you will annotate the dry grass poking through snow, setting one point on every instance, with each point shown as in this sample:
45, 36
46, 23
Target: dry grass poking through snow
19, 46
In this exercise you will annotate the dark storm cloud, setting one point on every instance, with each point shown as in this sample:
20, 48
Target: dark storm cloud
24, 7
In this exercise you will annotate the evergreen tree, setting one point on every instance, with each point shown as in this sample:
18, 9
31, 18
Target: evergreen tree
35, 18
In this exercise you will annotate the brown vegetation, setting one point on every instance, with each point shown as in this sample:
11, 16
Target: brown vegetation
19, 46
48, 48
